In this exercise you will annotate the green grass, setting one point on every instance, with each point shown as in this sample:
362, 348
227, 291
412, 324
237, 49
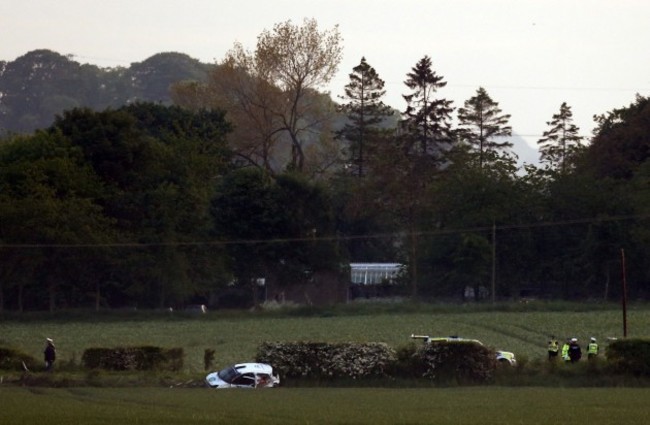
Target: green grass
539, 395
236, 336
460, 406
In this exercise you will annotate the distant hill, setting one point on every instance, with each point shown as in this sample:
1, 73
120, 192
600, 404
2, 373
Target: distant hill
38, 86
42, 84
526, 153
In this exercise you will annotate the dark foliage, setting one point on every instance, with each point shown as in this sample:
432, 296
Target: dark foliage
133, 358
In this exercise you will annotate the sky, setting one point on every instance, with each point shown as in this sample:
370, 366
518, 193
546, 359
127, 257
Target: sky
529, 55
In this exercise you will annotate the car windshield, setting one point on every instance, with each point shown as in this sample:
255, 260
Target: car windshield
228, 374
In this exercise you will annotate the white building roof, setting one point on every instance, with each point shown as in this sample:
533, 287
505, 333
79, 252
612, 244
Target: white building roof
374, 273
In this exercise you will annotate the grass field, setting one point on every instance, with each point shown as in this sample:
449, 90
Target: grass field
235, 337
459, 406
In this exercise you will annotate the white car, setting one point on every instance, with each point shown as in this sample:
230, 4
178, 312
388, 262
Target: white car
503, 357
244, 375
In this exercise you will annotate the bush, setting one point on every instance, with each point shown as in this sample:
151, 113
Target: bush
462, 362
11, 359
323, 360
208, 359
407, 364
629, 356
133, 358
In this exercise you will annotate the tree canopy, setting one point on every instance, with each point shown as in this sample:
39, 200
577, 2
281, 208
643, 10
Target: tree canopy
115, 202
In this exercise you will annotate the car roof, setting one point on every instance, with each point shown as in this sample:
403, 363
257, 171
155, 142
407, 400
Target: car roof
452, 339
253, 368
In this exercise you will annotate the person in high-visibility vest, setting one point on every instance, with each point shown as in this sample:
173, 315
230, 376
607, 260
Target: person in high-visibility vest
553, 347
592, 349
565, 350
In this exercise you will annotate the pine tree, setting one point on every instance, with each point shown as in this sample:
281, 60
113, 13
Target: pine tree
427, 119
559, 144
365, 111
481, 122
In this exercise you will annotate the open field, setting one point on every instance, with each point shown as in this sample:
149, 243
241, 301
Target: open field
235, 337
459, 406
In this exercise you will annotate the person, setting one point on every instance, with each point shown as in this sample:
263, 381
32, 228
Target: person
50, 354
592, 349
553, 347
565, 350
575, 353
262, 381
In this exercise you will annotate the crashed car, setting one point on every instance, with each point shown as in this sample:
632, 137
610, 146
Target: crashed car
244, 375
503, 357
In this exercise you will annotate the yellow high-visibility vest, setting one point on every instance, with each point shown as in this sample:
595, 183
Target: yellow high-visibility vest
553, 345
592, 348
565, 351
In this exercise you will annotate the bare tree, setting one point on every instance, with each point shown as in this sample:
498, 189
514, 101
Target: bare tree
271, 94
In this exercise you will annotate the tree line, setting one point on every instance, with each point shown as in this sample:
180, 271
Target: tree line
254, 172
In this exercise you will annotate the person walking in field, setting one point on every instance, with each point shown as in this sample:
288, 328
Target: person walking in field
553, 348
49, 354
565, 350
575, 353
592, 349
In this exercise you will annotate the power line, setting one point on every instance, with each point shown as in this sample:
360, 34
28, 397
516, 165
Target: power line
439, 232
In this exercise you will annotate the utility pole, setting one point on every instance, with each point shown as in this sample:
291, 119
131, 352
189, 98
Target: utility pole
624, 300
494, 261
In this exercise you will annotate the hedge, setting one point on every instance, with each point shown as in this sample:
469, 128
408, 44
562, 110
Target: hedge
629, 356
463, 362
133, 358
326, 360
11, 359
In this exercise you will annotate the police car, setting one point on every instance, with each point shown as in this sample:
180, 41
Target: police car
244, 375
503, 357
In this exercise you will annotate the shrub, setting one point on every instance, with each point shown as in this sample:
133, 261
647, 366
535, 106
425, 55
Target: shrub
407, 364
462, 362
208, 358
133, 358
11, 359
630, 356
323, 360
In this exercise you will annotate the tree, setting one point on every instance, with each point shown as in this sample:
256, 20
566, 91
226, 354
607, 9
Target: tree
559, 145
365, 111
409, 164
473, 199
481, 123
151, 79
621, 141
158, 166
35, 85
41, 84
48, 199
276, 228
271, 93
427, 119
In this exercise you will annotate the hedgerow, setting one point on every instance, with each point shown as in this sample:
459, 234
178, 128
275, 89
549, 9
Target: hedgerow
133, 358
630, 356
326, 360
463, 362
12, 359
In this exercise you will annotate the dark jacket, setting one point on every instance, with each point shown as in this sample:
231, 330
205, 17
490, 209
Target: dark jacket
50, 353
575, 353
